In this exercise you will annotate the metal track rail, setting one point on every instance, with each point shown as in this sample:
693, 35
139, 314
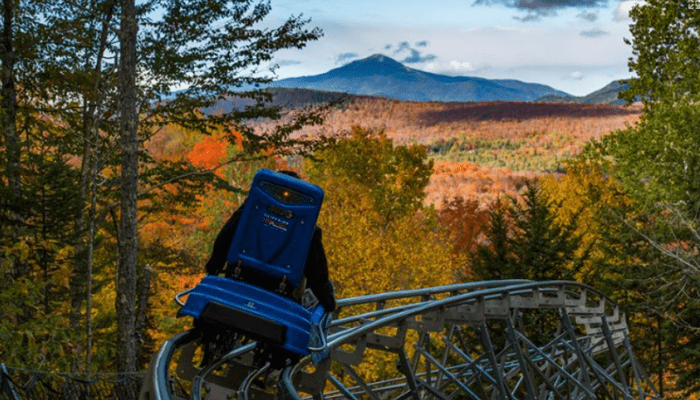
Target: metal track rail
483, 340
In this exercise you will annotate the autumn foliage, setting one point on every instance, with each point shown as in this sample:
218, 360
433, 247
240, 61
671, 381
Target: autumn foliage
209, 153
408, 191
483, 149
392, 217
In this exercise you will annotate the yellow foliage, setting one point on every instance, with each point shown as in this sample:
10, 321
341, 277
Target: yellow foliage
584, 190
34, 323
369, 254
365, 257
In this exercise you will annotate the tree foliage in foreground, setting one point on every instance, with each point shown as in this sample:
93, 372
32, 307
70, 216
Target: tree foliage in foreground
665, 51
61, 119
394, 177
580, 195
525, 239
658, 166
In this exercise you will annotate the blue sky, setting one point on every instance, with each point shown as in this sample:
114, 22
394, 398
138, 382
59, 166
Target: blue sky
572, 45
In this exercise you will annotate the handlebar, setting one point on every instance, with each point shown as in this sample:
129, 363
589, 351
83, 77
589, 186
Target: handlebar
177, 296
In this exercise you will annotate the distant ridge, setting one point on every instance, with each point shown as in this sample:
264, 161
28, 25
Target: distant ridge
608, 94
290, 98
284, 98
379, 75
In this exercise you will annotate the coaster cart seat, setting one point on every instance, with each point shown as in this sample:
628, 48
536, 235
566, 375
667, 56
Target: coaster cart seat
272, 239
241, 330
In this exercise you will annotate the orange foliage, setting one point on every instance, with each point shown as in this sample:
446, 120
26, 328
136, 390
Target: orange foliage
545, 130
465, 220
411, 122
209, 153
473, 182
236, 139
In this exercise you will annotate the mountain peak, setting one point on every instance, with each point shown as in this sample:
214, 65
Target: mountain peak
380, 75
377, 64
379, 57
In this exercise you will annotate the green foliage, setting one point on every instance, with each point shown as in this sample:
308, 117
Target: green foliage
538, 150
61, 154
494, 259
584, 192
371, 246
36, 256
213, 49
657, 160
35, 330
652, 244
665, 51
524, 240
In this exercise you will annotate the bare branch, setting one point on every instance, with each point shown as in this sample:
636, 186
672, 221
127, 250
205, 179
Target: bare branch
694, 267
98, 16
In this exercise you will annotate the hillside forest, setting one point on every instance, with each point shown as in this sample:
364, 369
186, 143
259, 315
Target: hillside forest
417, 194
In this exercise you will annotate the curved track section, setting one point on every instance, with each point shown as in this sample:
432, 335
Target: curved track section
482, 340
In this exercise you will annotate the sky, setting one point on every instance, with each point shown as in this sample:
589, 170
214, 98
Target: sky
571, 45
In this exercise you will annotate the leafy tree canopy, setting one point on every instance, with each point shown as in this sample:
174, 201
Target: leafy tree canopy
394, 177
655, 240
665, 50
658, 160
61, 155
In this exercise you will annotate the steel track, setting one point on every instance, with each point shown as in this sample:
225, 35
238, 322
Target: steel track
503, 340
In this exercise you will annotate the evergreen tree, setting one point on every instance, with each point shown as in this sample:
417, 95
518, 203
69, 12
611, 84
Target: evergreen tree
494, 259
544, 249
524, 241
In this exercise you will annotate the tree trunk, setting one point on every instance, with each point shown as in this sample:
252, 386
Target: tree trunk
89, 171
144, 288
128, 244
9, 105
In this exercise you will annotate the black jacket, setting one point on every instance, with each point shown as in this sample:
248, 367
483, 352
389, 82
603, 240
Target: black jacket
315, 270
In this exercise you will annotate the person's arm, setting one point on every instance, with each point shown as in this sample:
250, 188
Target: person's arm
316, 271
222, 243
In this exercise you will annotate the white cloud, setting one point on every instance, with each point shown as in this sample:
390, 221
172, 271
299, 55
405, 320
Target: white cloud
373, 17
588, 16
576, 75
341, 58
285, 63
461, 65
594, 33
623, 9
